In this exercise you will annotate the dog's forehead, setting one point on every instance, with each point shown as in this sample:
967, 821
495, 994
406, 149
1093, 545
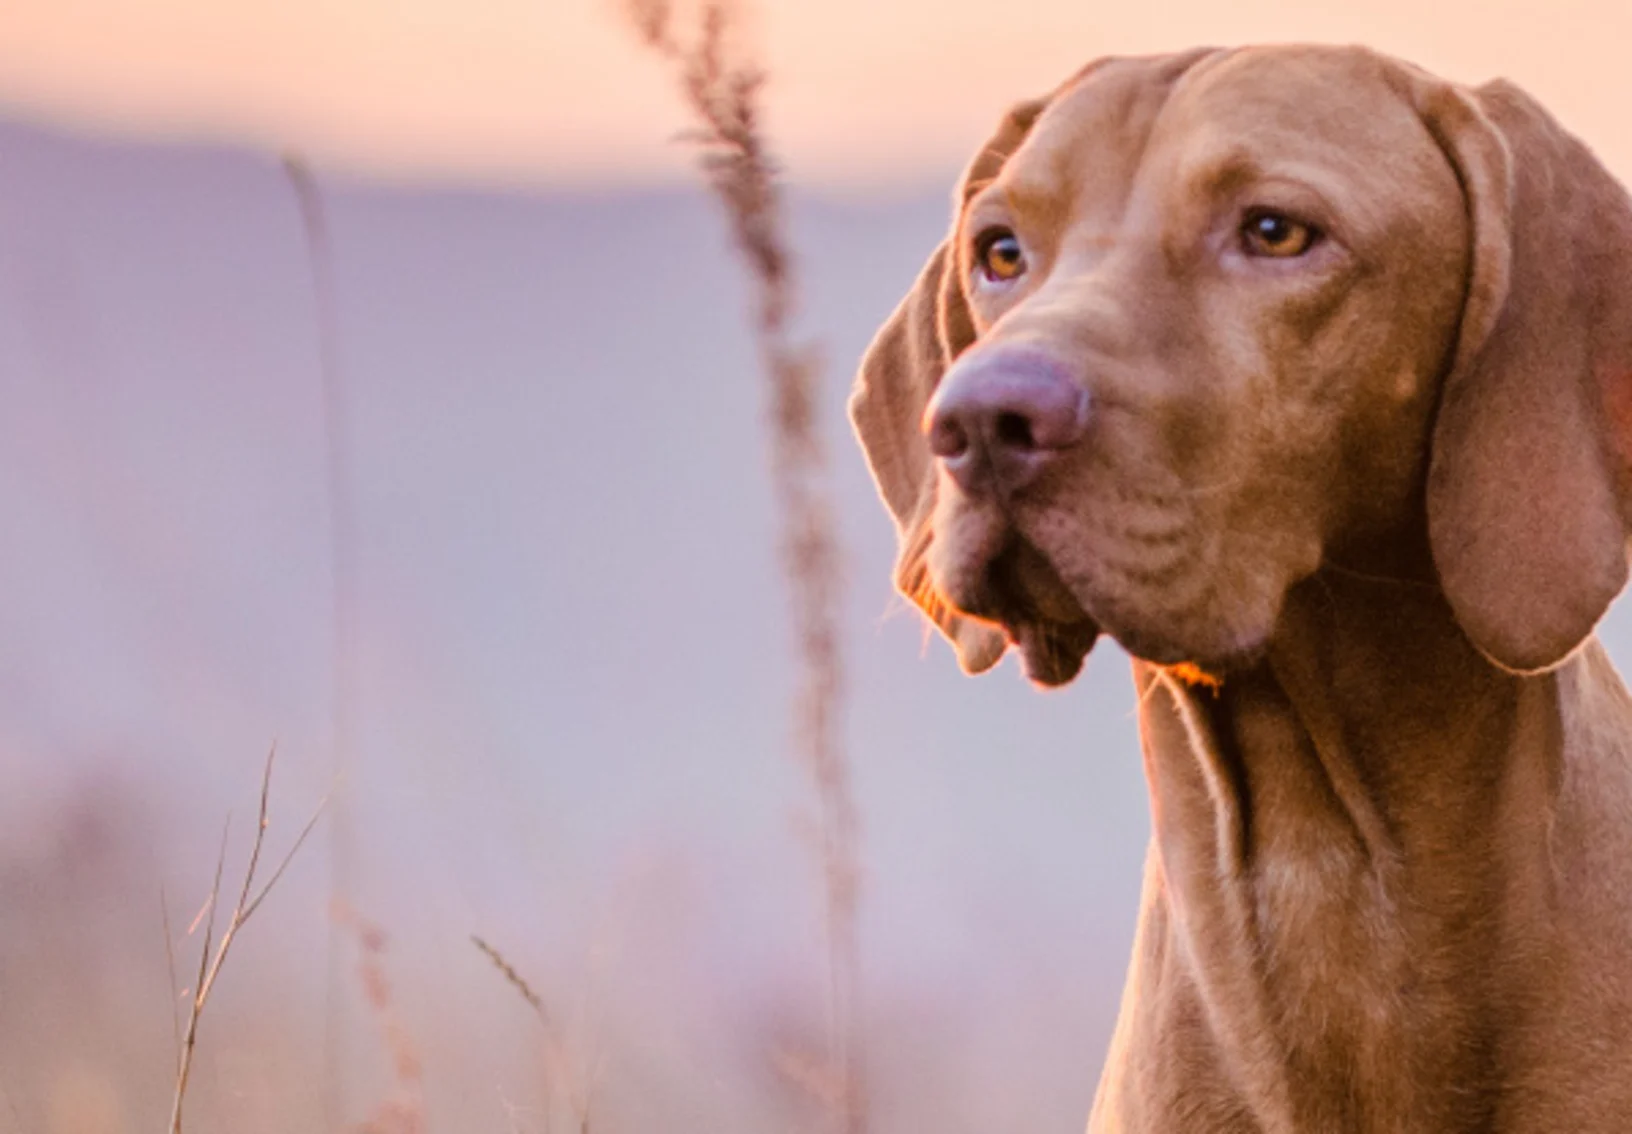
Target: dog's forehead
1307, 97
1095, 128
1311, 102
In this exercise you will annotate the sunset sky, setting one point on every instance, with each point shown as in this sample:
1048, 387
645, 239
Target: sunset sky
865, 92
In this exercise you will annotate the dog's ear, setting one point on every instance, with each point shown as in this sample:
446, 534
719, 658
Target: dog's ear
1528, 478
899, 372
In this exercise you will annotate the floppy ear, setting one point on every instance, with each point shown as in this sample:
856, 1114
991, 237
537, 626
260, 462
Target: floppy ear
1527, 483
899, 372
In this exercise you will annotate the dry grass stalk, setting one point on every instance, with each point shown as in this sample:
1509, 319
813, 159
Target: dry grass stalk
342, 589
557, 1066
404, 1114
210, 963
170, 964
16, 1122
723, 93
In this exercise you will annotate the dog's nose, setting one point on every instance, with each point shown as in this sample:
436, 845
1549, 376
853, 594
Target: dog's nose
1004, 414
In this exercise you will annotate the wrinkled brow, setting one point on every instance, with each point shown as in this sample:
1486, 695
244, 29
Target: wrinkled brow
1222, 172
1030, 194
1021, 197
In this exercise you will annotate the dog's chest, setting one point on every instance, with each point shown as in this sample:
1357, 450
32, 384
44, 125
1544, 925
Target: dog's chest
1340, 997
1371, 1028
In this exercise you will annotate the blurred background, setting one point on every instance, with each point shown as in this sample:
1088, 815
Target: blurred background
567, 673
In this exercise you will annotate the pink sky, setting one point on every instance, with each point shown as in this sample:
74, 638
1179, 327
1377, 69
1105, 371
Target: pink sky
866, 92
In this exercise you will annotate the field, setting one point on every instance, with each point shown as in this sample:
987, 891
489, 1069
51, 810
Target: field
571, 679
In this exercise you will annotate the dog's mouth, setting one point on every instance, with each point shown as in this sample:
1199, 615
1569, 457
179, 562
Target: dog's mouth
1040, 616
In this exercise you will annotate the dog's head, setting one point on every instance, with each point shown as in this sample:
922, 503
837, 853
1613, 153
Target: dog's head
1204, 322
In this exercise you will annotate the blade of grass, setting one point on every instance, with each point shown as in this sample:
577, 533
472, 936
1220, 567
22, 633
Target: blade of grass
175, 988
722, 91
212, 955
557, 1065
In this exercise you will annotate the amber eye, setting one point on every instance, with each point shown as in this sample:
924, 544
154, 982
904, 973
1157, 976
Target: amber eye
1268, 233
997, 251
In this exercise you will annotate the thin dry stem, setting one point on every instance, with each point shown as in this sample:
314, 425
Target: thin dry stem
210, 963
198, 918
11, 1109
342, 580
201, 987
723, 94
175, 988
404, 1114
557, 1065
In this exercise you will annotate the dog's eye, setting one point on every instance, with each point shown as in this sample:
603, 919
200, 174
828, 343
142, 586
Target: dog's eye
999, 255
1268, 233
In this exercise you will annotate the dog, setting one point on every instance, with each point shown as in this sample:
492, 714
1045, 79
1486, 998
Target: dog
1307, 377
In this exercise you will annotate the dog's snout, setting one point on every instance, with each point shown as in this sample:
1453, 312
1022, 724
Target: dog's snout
1002, 416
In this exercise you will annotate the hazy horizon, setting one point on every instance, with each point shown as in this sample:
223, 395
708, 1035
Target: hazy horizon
862, 95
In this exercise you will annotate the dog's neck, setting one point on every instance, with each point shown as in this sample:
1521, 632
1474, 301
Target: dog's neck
1325, 857
1410, 742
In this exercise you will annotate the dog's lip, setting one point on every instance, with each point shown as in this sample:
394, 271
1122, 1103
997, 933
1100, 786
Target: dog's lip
1053, 652
1038, 613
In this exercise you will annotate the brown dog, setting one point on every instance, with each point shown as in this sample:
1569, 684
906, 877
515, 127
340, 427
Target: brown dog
1307, 377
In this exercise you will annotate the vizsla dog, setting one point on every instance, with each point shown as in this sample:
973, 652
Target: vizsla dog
1307, 377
